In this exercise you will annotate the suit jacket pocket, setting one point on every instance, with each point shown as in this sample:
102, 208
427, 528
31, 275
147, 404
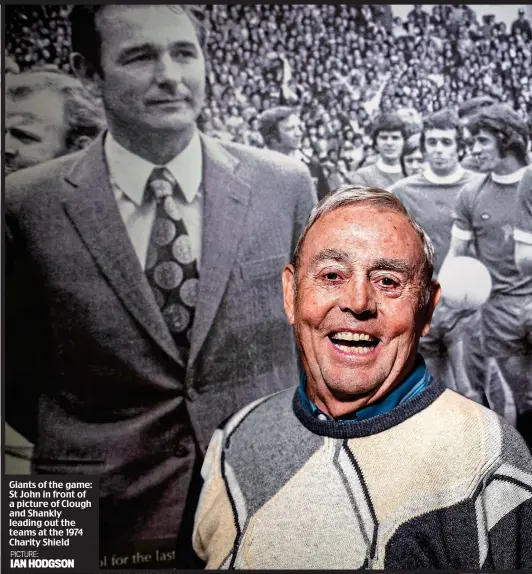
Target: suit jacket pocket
263, 267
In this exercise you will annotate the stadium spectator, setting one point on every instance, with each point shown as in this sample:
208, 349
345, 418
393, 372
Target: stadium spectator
370, 155
281, 131
352, 152
418, 16
412, 158
522, 25
258, 52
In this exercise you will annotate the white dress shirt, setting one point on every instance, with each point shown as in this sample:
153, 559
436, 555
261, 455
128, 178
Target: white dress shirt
129, 174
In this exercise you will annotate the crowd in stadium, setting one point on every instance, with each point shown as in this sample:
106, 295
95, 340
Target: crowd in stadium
340, 64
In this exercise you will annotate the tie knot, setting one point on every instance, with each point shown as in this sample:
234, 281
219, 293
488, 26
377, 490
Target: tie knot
161, 183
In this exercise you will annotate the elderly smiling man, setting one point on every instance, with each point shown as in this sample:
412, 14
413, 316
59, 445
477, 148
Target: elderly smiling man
370, 462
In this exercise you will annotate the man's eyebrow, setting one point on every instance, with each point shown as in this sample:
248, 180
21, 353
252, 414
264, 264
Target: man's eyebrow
327, 254
22, 117
134, 48
399, 265
146, 46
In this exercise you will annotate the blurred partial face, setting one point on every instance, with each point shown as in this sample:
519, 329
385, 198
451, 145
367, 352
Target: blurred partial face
441, 151
390, 145
414, 162
370, 156
35, 129
486, 151
347, 150
290, 133
357, 311
153, 68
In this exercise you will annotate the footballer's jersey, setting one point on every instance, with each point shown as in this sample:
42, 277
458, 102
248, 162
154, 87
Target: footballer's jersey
431, 200
523, 218
372, 176
485, 214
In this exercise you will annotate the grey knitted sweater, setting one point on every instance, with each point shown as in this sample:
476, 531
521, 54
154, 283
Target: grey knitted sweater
437, 482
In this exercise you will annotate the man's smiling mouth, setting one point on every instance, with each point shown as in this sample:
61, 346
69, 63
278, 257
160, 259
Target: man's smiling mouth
359, 343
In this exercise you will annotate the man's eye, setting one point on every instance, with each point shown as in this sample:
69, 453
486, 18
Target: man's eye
24, 137
388, 282
332, 276
185, 54
138, 58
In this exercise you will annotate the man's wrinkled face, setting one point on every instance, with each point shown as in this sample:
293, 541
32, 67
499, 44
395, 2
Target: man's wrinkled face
486, 151
357, 310
35, 129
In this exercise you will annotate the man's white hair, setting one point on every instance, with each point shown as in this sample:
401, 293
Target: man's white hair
355, 194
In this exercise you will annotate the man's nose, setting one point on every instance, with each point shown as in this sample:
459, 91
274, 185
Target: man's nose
476, 148
168, 70
11, 149
359, 297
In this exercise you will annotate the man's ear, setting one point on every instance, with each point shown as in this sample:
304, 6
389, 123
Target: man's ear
86, 74
289, 292
435, 294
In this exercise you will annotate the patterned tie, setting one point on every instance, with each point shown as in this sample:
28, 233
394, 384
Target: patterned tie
170, 265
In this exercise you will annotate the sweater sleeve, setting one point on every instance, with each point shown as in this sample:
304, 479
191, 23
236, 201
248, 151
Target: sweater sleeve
214, 531
504, 508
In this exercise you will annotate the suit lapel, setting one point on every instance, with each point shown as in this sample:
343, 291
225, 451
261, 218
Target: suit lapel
225, 206
94, 212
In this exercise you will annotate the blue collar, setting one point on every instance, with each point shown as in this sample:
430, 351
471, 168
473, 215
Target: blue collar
415, 382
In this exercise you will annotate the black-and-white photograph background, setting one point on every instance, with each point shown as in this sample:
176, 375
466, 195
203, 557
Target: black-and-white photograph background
314, 81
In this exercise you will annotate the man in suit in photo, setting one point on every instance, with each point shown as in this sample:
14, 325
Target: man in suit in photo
143, 299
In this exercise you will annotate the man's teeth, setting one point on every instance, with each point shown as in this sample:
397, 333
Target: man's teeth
354, 350
348, 336
356, 343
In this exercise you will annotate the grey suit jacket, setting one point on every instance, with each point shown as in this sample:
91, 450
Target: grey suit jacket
93, 376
